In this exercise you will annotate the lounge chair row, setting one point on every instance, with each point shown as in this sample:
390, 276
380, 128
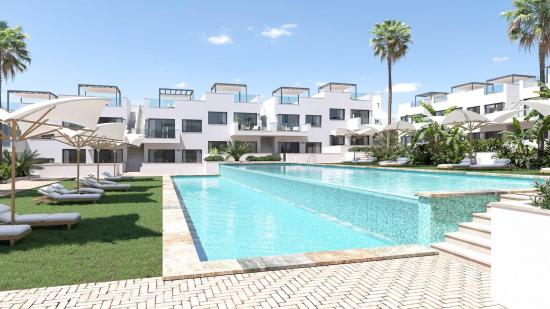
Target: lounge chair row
467, 163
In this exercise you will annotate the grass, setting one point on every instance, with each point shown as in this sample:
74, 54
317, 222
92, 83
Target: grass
533, 172
118, 238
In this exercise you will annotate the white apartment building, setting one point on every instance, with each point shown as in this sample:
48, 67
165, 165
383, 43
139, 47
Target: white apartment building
486, 97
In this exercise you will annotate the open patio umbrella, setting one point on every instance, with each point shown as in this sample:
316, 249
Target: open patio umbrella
354, 134
46, 117
468, 121
541, 106
104, 137
401, 126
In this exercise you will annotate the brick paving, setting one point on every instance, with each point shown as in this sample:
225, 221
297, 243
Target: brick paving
421, 282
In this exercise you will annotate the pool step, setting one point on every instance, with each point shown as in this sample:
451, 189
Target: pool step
475, 228
466, 255
482, 217
468, 241
516, 197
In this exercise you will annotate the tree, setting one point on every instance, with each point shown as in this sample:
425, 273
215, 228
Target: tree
14, 55
390, 42
529, 23
237, 149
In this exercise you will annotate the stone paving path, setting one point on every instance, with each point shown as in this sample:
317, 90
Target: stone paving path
423, 282
22, 185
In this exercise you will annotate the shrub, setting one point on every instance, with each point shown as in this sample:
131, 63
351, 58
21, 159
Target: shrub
264, 158
5, 171
25, 162
214, 157
542, 200
236, 149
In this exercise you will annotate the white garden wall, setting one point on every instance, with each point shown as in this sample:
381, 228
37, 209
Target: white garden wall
66, 170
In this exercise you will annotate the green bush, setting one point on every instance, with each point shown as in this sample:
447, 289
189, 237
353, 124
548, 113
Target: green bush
214, 157
5, 171
25, 162
264, 158
542, 200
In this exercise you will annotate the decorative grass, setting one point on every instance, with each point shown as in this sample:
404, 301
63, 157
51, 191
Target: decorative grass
119, 237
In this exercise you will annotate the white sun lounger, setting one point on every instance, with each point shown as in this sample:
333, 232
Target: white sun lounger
13, 233
54, 219
465, 163
93, 176
104, 186
61, 189
399, 162
498, 164
52, 195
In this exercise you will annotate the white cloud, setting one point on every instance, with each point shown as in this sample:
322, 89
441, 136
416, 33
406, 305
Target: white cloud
181, 85
404, 87
277, 32
221, 39
500, 59
249, 28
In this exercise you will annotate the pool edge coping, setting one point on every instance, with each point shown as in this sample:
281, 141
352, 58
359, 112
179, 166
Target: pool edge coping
180, 259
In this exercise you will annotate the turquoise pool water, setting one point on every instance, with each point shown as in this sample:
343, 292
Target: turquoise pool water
264, 210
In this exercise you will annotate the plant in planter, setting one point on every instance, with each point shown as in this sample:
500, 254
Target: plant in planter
542, 200
215, 157
237, 149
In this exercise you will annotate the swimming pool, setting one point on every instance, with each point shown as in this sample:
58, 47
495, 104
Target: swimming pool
264, 210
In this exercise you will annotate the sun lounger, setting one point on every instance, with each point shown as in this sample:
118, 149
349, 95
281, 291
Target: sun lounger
14, 233
498, 164
52, 194
109, 175
61, 189
103, 180
368, 159
399, 162
465, 163
53, 219
88, 182
545, 170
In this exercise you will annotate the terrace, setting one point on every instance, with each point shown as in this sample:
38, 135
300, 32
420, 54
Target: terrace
430, 97
289, 95
342, 87
103, 91
239, 92
169, 97
24, 97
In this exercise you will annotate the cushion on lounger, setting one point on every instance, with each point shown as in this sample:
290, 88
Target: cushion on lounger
14, 230
4, 208
57, 186
502, 161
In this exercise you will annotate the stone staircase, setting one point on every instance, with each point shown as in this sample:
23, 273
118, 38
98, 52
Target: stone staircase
472, 243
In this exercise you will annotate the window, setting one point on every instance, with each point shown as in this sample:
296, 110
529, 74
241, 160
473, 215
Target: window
314, 120
312, 147
110, 120
69, 155
491, 108
191, 125
246, 121
162, 155
191, 156
253, 146
439, 113
106, 156
160, 128
216, 144
360, 141
217, 118
289, 147
361, 113
48, 160
337, 114
336, 140
492, 134
475, 109
404, 118
288, 122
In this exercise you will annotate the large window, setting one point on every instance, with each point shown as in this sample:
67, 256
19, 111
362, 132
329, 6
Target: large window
361, 113
337, 140
289, 147
191, 125
312, 147
191, 156
69, 155
216, 144
289, 122
160, 128
491, 108
360, 141
475, 109
314, 120
110, 120
246, 121
337, 114
107, 156
162, 155
217, 118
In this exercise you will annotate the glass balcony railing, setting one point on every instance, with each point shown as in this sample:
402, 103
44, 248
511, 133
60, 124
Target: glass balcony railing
161, 133
496, 88
530, 83
440, 99
357, 95
163, 103
288, 99
288, 127
242, 98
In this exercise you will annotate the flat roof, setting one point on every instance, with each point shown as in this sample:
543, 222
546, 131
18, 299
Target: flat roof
175, 93
110, 89
510, 78
32, 94
431, 94
290, 91
228, 87
470, 86
337, 87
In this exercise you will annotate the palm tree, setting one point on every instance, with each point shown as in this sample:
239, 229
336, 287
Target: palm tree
529, 23
390, 42
14, 55
237, 149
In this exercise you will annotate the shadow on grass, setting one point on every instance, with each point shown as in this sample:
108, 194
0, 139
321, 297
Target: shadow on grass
107, 230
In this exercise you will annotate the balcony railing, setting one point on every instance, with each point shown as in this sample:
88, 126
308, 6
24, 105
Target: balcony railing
288, 99
161, 133
496, 88
271, 127
357, 95
530, 83
249, 98
163, 103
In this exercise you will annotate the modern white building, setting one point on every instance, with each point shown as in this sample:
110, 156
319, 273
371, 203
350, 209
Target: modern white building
492, 95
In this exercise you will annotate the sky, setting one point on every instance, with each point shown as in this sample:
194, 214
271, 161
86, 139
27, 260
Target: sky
143, 45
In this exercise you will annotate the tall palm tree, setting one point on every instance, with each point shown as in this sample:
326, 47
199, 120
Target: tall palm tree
14, 55
390, 42
529, 23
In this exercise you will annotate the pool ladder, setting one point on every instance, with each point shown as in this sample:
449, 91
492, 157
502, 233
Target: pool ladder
312, 159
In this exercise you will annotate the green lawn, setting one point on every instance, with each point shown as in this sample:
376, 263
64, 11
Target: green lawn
118, 238
534, 172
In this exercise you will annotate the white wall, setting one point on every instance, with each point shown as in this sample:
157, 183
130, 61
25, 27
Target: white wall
520, 257
161, 169
56, 170
311, 158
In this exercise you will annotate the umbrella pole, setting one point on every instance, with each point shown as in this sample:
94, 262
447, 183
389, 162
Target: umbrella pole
78, 169
97, 159
114, 162
13, 164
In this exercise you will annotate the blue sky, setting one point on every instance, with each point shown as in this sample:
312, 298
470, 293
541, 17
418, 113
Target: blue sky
143, 45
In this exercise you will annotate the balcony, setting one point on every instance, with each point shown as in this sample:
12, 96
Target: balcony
271, 129
494, 88
246, 98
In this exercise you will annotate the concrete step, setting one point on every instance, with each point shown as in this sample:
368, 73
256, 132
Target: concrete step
476, 229
515, 197
463, 254
482, 217
468, 241
488, 208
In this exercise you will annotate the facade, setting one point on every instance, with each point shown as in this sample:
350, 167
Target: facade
486, 97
